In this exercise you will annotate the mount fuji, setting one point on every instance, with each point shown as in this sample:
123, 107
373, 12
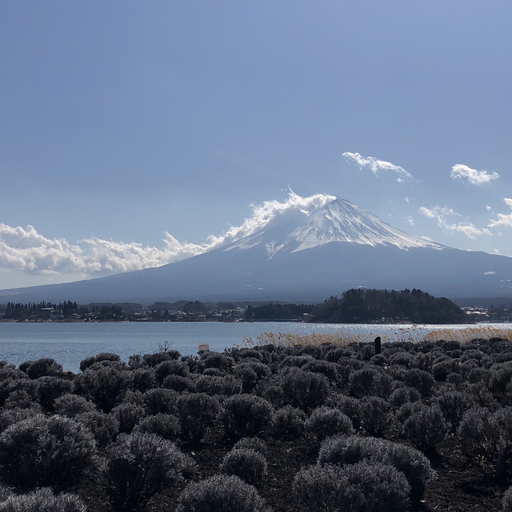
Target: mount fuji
305, 253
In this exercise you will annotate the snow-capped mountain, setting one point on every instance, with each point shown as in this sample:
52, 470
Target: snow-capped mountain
305, 253
337, 221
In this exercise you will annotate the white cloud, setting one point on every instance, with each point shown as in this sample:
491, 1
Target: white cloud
472, 175
441, 214
490, 273
410, 220
406, 199
488, 208
26, 250
376, 165
503, 220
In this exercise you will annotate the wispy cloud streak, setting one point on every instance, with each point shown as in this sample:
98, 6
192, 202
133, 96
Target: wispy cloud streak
460, 171
440, 214
375, 165
503, 220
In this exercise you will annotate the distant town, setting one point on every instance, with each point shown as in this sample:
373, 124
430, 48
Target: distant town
195, 311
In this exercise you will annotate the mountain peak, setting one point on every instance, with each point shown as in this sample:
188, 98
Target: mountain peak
337, 220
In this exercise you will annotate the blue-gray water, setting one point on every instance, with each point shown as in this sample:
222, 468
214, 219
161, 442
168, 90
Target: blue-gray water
69, 343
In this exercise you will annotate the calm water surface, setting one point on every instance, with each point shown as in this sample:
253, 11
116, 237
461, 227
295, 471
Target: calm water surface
69, 343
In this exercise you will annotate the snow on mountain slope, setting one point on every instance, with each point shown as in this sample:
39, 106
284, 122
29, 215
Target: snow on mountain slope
336, 221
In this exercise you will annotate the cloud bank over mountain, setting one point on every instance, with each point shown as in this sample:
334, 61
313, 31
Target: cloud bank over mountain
26, 250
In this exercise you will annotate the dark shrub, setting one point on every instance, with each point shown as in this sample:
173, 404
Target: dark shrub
104, 356
401, 359
297, 361
360, 487
42, 451
404, 395
105, 385
453, 405
249, 465
70, 405
288, 422
139, 465
143, 379
9, 417
245, 415
20, 399
422, 361
128, 415
160, 400
247, 376
246, 353
420, 380
51, 388
252, 443
325, 422
155, 359
303, 389
166, 368
353, 449
104, 427
348, 405
486, 438
221, 493
482, 396
216, 360
43, 500
196, 412
43, 368
163, 425
369, 382
442, 369
271, 390
330, 370
227, 385
426, 428
374, 415
506, 503
178, 383
500, 377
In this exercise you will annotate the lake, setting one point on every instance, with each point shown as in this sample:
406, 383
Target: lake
70, 343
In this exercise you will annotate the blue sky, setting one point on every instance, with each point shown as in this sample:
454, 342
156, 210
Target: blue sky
122, 121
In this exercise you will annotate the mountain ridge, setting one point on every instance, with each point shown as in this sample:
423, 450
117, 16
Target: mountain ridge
300, 254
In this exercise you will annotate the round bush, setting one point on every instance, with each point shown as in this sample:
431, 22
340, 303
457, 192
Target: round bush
139, 465
369, 382
163, 425
245, 416
410, 461
249, 465
221, 493
71, 405
360, 487
252, 443
426, 428
103, 426
487, 437
43, 368
196, 412
325, 422
404, 395
303, 389
42, 451
128, 415
43, 500
288, 423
